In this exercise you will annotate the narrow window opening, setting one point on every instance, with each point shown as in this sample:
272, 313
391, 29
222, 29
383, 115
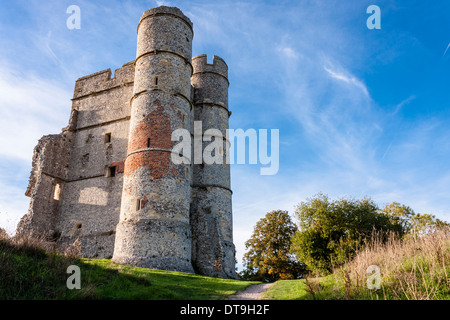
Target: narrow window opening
156, 81
138, 204
107, 137
148, 143
112, 171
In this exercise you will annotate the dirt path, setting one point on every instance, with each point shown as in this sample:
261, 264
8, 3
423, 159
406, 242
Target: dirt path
253, 292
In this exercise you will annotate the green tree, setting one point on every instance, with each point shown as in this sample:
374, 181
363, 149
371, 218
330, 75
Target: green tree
425, 223
399, 214
413, 224
331, 231
268, 256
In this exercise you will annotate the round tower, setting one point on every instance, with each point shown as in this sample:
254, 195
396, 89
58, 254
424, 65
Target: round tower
213, 251
154, 229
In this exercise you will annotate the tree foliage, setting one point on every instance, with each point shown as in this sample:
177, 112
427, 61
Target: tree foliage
331, 231
268, 256
413, 224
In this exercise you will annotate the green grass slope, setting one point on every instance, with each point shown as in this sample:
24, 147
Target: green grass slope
27, 272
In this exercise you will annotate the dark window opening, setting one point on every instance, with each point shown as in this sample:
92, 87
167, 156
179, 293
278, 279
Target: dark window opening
138, 204
112, 171
148, 143
107, 137
156, 81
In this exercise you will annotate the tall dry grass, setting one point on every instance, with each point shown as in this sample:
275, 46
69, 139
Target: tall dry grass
415, 268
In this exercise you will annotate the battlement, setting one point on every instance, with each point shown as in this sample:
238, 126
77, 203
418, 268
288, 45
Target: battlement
163, 10
200, 64
101, 81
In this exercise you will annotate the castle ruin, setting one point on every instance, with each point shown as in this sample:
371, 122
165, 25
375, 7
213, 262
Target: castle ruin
107, 180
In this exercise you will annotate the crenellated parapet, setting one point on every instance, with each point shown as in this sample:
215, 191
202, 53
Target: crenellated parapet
101, 81
218, 66
210, 81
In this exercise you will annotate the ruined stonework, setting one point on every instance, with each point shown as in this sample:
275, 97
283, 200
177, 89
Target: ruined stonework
108, 180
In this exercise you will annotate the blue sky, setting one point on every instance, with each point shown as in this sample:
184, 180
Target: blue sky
360, 112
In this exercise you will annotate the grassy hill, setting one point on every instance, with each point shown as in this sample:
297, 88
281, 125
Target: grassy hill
28, 272
415, 268
410, 269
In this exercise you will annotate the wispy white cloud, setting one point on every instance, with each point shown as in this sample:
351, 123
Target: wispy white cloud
446, 50
288, 52
31, 107
337, 124
347, 78
405, 102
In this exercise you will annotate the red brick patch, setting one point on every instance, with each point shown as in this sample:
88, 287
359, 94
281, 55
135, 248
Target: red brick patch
156, 127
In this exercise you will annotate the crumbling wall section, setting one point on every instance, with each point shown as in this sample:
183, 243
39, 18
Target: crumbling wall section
46, 185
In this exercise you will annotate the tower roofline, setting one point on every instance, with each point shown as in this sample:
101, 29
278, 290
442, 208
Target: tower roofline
166, 11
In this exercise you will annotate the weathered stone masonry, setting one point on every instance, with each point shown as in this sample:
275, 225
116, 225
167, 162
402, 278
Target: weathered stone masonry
108, 179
